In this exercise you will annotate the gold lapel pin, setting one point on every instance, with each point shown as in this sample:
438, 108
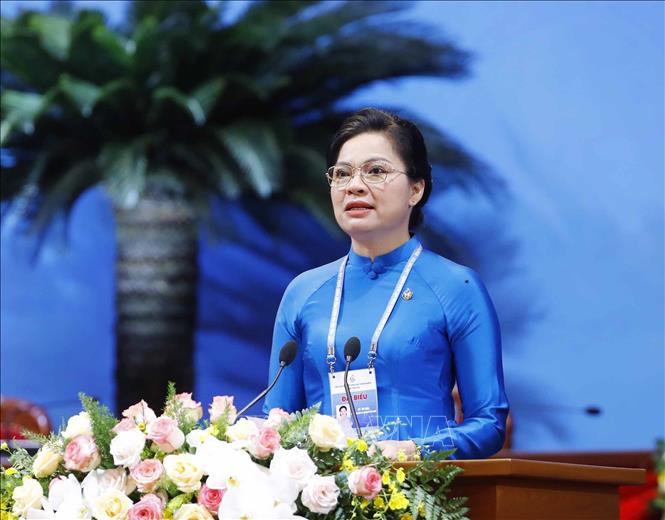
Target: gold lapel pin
407, 294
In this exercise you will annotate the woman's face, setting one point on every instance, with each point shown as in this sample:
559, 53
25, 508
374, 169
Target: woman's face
374, 210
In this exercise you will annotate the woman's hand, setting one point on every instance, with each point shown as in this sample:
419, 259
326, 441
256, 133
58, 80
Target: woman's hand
391, 449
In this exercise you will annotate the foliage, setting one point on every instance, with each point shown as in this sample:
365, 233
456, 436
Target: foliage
294, 433
174, 409
102, 421
187, 103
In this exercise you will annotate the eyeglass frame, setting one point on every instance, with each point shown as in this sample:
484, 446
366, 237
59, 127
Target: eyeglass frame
360, 172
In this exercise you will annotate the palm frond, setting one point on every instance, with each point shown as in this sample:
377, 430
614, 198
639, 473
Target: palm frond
183, 98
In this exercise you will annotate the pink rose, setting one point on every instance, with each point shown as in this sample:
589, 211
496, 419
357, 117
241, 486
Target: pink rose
265, 443
140, 413
124, 426
210, 498
193, 408
81, 454
222, 404
365, 482
164, 432
277, 417
146, 474
148, 508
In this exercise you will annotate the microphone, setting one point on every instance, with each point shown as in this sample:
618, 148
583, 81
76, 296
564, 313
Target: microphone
541, 407
286, 357
351, 351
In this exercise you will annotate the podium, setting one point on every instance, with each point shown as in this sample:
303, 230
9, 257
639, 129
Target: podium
514, 489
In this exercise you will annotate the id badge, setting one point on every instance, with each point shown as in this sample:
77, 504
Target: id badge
362, 384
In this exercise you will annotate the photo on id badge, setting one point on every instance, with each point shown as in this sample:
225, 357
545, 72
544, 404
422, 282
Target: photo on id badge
363, 392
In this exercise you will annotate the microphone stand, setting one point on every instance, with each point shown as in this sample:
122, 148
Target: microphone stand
282, 364
349, 397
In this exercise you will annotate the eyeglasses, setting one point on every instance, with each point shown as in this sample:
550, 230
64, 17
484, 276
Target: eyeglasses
371, 172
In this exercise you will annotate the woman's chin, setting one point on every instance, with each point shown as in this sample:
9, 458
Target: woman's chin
353, 227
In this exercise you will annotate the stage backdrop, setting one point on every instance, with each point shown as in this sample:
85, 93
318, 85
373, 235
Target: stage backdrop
566, 104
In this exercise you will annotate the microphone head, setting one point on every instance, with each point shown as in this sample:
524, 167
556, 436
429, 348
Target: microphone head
593, 410
288, 353
352, 348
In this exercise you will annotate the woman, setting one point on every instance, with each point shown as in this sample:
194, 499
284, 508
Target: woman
441, 328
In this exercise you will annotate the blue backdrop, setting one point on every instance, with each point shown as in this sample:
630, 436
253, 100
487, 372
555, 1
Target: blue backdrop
566, 104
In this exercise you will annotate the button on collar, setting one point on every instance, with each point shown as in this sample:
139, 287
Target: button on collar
374, 269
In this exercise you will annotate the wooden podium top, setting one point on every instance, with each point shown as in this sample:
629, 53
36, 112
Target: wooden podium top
518, 468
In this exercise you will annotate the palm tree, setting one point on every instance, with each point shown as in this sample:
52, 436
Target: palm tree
182, 105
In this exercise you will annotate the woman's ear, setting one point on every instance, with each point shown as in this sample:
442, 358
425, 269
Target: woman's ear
417, 191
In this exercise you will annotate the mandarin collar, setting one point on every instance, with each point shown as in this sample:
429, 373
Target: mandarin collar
381, 262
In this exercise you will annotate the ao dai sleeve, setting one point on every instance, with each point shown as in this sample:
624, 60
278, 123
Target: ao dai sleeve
475, 339
289, 392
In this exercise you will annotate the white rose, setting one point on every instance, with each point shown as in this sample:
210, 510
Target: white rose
295, 464
126, 448
326, 432
99, 481
196, 438
26, 496
46, 462
184, 471
192, 512
242, 430
111, 505
320, 494
78, 425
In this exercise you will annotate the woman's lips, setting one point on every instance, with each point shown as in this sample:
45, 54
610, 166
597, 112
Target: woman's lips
358, 211
358, 208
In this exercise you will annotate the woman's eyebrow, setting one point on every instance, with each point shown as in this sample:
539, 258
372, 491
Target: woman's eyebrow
377, 158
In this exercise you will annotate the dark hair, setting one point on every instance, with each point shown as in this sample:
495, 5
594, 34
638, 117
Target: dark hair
405, 137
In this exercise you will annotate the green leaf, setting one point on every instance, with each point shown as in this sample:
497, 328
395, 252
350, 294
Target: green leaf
198, 104
226, 182
20, 109
206, 95
22, 55
82, 93
54, 33
254, 148
182, 100
123, 167
70, 183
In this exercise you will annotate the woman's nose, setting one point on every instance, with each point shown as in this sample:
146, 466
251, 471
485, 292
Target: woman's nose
356, 184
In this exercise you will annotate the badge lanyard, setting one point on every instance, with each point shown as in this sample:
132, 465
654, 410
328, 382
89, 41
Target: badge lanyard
337, 302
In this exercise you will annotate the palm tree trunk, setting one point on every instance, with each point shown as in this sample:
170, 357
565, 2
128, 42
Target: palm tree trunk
156, 275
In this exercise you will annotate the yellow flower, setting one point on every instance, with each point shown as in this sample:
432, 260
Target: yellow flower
398, 501
11, 471
361, 446
379, 503
401, 456
421, 509
350, 441
385, 478
347, 465
406, 516
214, 431
400, 475
4, 446
364, 503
